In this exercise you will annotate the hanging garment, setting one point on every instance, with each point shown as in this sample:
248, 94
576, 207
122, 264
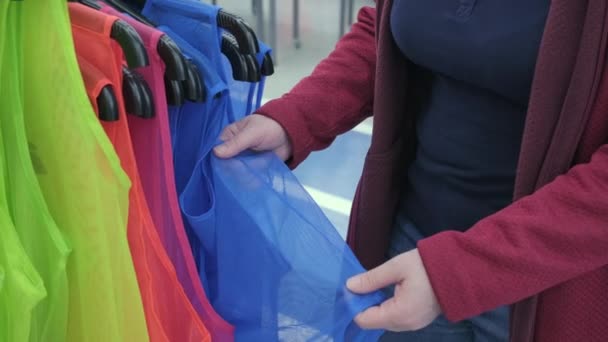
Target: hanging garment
265, 50
191, 125
281, 267
41, 238
255, 280
152, 145
246, 97
257, 283
82, 181
195, 22
22, 289
163, 296
94, 81
241, 93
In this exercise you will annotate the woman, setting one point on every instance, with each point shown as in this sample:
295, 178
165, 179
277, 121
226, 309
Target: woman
488, 155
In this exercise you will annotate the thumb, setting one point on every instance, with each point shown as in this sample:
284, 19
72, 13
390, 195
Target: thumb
236, 144
376, 279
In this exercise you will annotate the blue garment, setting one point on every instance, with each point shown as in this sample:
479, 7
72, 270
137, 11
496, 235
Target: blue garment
195, 22
192, 125
259, 87
281, 266
271, 263
247, 97
473, 64
491, 326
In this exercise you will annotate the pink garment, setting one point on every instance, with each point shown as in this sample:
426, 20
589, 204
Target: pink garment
152, 144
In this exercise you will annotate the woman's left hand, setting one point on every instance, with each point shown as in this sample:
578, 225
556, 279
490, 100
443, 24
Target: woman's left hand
414, 305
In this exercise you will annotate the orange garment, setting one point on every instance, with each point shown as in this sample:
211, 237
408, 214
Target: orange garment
169, 313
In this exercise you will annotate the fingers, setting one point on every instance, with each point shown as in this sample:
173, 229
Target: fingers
379, 317
378, 278
284, 152
229, 132
237, 138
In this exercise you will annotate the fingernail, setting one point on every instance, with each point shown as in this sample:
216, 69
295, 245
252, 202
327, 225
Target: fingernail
352, 282
220, 149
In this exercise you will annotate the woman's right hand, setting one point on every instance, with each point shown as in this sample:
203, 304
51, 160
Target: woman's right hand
255, 132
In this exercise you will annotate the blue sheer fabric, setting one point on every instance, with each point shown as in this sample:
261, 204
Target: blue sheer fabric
271, 262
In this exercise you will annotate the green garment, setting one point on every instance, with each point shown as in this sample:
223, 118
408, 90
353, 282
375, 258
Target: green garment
39, 235
22, 288
84, 187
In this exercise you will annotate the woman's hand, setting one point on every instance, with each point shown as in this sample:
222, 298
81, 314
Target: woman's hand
414, 305
255, 132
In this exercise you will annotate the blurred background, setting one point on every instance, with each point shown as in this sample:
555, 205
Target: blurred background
302, 33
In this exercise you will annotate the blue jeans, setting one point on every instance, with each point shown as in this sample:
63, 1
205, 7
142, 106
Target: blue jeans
491, 326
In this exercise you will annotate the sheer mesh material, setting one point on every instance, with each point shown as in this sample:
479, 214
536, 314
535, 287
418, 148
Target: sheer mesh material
163, 296
240, 93
259, 90
152, 146
94, 81
191, 123
22, 292
281, 266
195, 21
81, 179
272, 263
246, 97
39, 235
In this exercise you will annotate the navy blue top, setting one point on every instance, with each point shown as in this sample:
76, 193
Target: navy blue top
473, 64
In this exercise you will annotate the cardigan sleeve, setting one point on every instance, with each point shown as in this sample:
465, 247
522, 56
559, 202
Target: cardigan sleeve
554, 235
336, 97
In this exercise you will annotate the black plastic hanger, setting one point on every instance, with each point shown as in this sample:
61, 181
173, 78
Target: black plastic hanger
194, 85
177, 67
131, 44
137, 4
135, 101
130, 10
255, 74
147, 98
240, 67
244, 67
107, 104
128, 39
172, 56
175, 70
175, 92
131, 93
247, 41
267, 67
267, 64
236, 25
167, 49
89, 3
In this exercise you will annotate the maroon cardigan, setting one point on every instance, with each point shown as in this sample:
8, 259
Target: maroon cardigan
548, 251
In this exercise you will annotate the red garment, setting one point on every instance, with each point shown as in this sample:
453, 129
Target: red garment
94, 81
550, 241
152, 145
169, 313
